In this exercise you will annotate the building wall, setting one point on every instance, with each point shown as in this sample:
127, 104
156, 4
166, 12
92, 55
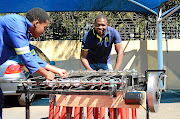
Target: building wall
139, 55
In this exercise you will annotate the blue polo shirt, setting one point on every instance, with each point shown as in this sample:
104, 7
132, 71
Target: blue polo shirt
98, 48
14, 40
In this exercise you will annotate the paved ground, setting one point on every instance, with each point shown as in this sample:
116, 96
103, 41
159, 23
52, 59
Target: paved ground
169, 109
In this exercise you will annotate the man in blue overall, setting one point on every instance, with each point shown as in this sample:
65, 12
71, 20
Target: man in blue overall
14, 40
97, 44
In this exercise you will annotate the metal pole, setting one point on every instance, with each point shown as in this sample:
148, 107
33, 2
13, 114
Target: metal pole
143, 6
147, 110
27, 104
170, 13
159, 38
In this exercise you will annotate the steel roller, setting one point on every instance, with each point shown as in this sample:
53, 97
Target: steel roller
153, 92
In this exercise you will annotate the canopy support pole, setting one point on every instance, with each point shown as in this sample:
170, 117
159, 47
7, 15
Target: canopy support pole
159, 40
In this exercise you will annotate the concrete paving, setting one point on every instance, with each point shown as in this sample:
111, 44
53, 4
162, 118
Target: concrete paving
169, 109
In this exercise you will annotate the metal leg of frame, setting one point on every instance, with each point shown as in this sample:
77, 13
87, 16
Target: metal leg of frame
27, 105
147, 111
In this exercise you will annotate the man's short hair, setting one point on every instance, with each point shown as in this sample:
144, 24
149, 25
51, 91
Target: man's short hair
37, 13
101, 16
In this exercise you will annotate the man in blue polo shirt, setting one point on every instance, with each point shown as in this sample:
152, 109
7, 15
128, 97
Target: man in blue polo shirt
97, 44
14, 40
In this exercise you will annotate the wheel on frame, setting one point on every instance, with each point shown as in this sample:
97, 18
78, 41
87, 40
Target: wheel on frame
153, 92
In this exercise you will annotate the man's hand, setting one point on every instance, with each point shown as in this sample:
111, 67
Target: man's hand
46, 73
50, 75
63, 73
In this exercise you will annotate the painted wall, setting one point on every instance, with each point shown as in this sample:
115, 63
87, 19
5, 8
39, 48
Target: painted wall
139, 55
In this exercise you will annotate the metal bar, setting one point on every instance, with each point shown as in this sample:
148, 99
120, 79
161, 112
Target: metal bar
64, 92
85, 93
155, 71
147, 111
174, 10
65, 82
40, 91
27, 105
159, 39
143, 6
146, 72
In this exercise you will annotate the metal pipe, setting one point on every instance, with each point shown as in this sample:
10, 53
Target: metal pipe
27, 105
159, 39
70, 82
174, 10
143, 6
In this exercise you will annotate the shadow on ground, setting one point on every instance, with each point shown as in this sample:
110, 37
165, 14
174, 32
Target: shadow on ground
170, 96
43, 101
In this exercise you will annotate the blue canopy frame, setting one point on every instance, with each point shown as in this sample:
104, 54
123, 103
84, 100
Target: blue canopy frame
152, 7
